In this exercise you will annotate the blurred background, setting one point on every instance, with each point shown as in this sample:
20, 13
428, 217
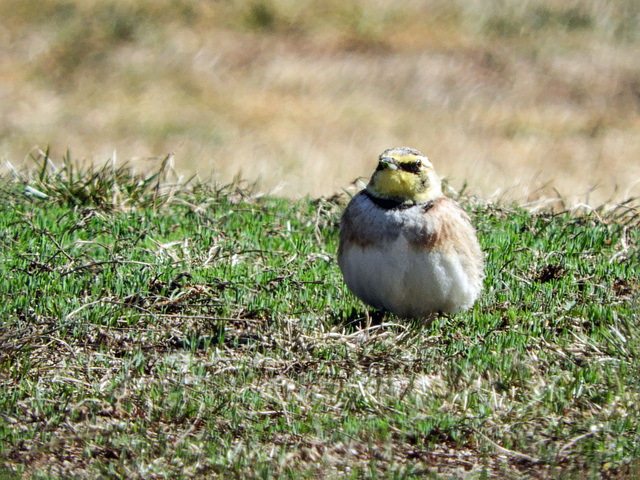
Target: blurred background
519, 99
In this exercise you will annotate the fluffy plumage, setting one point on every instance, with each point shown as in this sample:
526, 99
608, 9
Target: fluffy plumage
404, 246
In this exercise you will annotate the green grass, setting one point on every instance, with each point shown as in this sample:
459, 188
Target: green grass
155, 329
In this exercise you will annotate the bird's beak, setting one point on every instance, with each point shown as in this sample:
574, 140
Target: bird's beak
389, 163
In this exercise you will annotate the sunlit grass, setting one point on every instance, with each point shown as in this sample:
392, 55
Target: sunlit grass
202, 330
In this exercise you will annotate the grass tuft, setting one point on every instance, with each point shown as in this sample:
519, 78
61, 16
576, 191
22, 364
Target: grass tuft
110, 187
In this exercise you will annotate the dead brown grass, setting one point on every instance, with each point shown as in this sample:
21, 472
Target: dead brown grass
522, 100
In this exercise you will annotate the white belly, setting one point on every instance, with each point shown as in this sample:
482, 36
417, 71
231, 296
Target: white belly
410, 282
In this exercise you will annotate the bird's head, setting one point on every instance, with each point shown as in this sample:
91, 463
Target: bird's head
406, 176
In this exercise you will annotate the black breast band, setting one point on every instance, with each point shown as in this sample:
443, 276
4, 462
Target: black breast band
390, 204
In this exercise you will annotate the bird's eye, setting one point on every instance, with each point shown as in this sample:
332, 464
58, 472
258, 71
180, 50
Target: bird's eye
411, 167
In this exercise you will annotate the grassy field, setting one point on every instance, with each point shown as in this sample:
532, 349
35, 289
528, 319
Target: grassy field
159, 329
520, 98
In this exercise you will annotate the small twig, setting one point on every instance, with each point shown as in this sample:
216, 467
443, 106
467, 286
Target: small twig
48, 234
625, 247
571, 443
82, 307
506, 451
90, 265
62, 342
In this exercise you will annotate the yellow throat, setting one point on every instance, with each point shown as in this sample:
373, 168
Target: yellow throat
405, 175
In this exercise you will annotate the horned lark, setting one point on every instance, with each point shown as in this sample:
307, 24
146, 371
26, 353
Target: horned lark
404, 246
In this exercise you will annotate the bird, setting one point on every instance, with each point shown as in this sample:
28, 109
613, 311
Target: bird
405, 247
